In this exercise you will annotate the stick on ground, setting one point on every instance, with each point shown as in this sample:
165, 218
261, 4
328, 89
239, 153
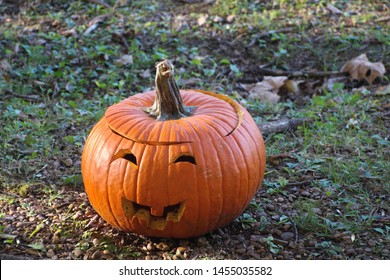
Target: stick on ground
282, 125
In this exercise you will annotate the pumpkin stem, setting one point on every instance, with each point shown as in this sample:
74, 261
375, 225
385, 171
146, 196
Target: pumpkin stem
168, 104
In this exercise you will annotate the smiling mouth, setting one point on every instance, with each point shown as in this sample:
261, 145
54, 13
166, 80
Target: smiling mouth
171, 213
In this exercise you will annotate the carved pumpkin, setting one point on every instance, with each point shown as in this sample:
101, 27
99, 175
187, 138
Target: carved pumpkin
157, 167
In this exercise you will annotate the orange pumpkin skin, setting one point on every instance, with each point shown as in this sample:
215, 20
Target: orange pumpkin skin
176, 178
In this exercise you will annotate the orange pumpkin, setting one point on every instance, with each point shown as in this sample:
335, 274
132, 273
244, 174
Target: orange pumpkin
157, 167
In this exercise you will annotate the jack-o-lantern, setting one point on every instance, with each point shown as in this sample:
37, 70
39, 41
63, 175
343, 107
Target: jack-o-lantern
172, 163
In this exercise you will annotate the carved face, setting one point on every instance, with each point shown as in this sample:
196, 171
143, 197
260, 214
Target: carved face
176, 178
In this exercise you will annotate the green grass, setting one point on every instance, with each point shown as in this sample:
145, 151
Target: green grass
308, 220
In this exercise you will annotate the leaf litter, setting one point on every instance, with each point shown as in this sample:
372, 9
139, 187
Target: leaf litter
360, 68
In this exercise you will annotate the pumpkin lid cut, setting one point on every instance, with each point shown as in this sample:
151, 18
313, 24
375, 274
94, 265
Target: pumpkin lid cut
169, 116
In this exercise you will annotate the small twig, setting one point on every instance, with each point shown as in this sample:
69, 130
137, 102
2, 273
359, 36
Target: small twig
92, 221
296, 184
123, 28
383, 220
90, 29
274, 159
9, 194
282, 125
382, 19
383, 94
268, 33
94, 23
297, 74
295, 229
280, 241
279, 156
25, 97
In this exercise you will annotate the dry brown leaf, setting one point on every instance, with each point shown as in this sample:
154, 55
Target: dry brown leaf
202, 20
360, 68
291, 86
124, 60
384, 90
5, 68
4, 65
268, 89
146, 74
69, 33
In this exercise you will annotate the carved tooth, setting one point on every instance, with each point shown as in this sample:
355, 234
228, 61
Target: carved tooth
128, 207
144, 215
157, 223
176, 214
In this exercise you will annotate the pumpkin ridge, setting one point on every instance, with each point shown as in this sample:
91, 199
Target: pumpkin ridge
199, 206
198, 156
246, 175
220, 185
238, 155
249, 128
256, 160
236, 107
141, 126
107, 192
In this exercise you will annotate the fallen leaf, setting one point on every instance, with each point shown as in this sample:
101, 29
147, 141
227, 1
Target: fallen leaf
56, 89
32, 28
37, 246
69, 33
360, 68
352, 123
230, 18
334, 10
17, 48
67, 162
268, 90
146, 74
385, 90
94, 23
98, 19
202, 20
262, 93
124, 60
274, 82
190, 82
7, 77
4, 65
38, 83
69, 87
7, 236
39, 42
290, 86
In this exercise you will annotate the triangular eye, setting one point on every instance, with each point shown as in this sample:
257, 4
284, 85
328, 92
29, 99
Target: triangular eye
130, 157
186, 158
